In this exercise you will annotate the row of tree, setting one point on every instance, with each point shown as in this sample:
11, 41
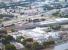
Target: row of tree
30, 44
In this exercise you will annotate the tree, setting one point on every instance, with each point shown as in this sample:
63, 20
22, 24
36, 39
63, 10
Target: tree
49, 43
18, 39
4, 41
28, 43
28, 46
57, 14
36, 46
27, 40
7, 39
10, 47
24, 42
31, 45
55, 27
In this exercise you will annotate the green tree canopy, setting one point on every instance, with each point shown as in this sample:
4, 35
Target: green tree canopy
36, 46
49, 43
10, 47
27, 40
7, 39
